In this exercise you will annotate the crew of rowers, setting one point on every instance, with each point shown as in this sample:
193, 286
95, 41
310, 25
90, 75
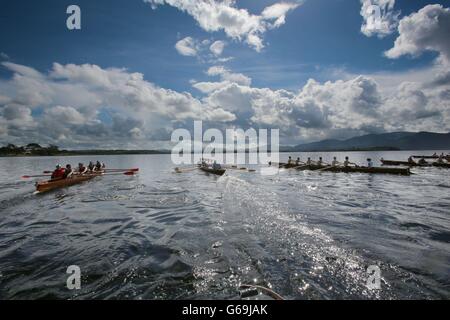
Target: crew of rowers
68, 171
441, 159
214, 166
320, 162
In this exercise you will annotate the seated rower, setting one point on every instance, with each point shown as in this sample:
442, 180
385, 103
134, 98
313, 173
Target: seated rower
290, 160
98, 166
435, 154
68, 172
103, 166
91, 166
216, 166
309, 161
440, 159
82, 169
297, 162
422, 161
411, 160
58, 173
320, 162
347, 163
369, 163
335, 163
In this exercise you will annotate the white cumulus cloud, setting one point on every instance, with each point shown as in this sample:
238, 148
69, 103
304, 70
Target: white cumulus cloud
187, 47
237, 23
217, 47
425, 30
379, 16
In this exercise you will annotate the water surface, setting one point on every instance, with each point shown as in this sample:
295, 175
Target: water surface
161, 235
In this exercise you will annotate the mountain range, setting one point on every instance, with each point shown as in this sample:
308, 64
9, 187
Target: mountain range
385, 141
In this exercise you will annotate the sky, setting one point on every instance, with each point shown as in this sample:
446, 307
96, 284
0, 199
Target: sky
139, 69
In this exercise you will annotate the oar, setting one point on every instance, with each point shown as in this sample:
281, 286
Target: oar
36, 176
127, 170
297, 167
240, 169
112, 170
128, 173
178, 170
326, 168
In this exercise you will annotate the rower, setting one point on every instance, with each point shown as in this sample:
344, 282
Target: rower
320, 162
58, 173
335, 163
68, 172
440, 159
216, 166
297, 162
347, 162
422, 161
103, 166
309, 161
82, 169
369, 163
91, 166
98, 166
290, 160
411, 160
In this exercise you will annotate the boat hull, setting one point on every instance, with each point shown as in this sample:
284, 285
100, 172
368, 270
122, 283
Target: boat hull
397, 171
441, 165
432, 157
218, 172
402, 163
46, 186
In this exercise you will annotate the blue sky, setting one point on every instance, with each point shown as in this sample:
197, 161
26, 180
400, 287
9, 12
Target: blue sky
319, 39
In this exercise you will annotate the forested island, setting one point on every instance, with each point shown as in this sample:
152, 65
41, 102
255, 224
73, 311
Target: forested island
34, 149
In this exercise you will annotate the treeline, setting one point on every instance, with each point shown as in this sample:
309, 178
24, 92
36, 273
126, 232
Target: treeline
30, 149
34, 149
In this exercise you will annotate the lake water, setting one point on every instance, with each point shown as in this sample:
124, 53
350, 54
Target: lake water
161, 235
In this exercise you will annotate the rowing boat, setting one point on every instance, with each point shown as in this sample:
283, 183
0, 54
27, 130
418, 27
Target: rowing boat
441, 165
432, 157
45, 186
399, 171
403, 163
219, 172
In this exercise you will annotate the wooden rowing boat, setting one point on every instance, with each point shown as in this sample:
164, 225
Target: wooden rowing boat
219, 172
432, 157
441, 165
398, 171
45, 186
403, 163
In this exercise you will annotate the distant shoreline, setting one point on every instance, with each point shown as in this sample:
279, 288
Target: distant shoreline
145, 152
